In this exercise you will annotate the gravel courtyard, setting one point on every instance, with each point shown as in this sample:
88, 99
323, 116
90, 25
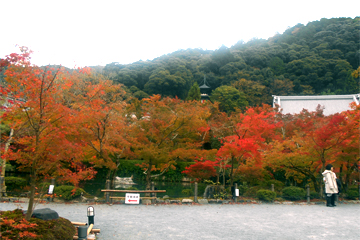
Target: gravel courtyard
215, 221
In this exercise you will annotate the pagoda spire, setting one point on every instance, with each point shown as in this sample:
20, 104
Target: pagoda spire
204, 91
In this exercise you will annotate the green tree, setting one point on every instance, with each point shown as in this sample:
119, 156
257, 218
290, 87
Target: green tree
194, 93
163, 83
229, 98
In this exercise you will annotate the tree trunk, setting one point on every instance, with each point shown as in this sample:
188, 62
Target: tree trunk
148, 178
232, 171
224, 176
31, 200
3, 167
316, 184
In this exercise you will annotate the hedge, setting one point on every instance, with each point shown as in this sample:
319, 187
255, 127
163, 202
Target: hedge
266, 195
293, 193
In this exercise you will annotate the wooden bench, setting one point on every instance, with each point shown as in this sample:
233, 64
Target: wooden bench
131, 191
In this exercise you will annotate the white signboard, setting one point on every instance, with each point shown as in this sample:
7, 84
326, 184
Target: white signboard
51, 189
132, 198
236, 192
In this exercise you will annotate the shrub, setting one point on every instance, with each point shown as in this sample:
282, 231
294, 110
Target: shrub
293, 193
60, 228
187, 192
278, 186
314, 195
251, 192
44, 187
266, 195
66, 192
352, 193
15, 183
242, 189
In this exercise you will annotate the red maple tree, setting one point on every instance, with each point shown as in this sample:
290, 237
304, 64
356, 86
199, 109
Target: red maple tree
43, 122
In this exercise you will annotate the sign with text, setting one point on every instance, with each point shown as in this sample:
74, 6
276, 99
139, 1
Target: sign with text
236, 192
132, 198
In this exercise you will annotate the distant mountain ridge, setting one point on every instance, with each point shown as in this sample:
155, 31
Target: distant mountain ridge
315, 59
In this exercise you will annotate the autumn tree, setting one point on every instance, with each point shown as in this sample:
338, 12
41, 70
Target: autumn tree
316, 141
100, 114
202, 169
166, 131
46, 147
252, 131
348, 159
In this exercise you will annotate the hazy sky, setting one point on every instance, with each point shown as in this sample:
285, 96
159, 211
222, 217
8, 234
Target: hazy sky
89, 33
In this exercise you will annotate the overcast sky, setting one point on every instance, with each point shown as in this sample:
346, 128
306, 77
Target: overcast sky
90, 33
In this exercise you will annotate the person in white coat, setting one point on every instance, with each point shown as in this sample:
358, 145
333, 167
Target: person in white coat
331, 188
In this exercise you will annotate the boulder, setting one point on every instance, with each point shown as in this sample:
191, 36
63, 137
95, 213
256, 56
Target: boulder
203, 201
146, 201
187, 201
45, 214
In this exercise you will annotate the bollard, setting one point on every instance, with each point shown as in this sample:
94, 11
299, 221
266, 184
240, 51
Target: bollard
235, 195
91, 215
272, 188
196, 192
107, 194
308, 193
82, 232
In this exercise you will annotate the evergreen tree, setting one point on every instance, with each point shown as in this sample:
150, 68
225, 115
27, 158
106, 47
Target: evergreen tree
194, 93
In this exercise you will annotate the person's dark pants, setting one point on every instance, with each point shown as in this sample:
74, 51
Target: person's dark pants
330, 201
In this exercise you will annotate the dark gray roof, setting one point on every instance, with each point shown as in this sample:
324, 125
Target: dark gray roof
204, 85
332, 103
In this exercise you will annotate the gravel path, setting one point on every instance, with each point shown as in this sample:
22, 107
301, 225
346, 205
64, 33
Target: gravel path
214, 221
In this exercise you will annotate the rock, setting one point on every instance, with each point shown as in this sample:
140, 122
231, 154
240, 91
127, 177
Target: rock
175, 201
203, 201
166, 196
159, 200
187, 201
212, 201
45, 214
95, 199
83, 199
146, 201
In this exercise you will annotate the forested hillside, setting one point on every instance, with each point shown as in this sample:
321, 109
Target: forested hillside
305, 60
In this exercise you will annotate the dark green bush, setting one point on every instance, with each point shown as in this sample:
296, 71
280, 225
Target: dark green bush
251, 192
15, 183
293, 193
66, 192
187, 192
278, 186
266, 195
352, 193
314, 195
243, 189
